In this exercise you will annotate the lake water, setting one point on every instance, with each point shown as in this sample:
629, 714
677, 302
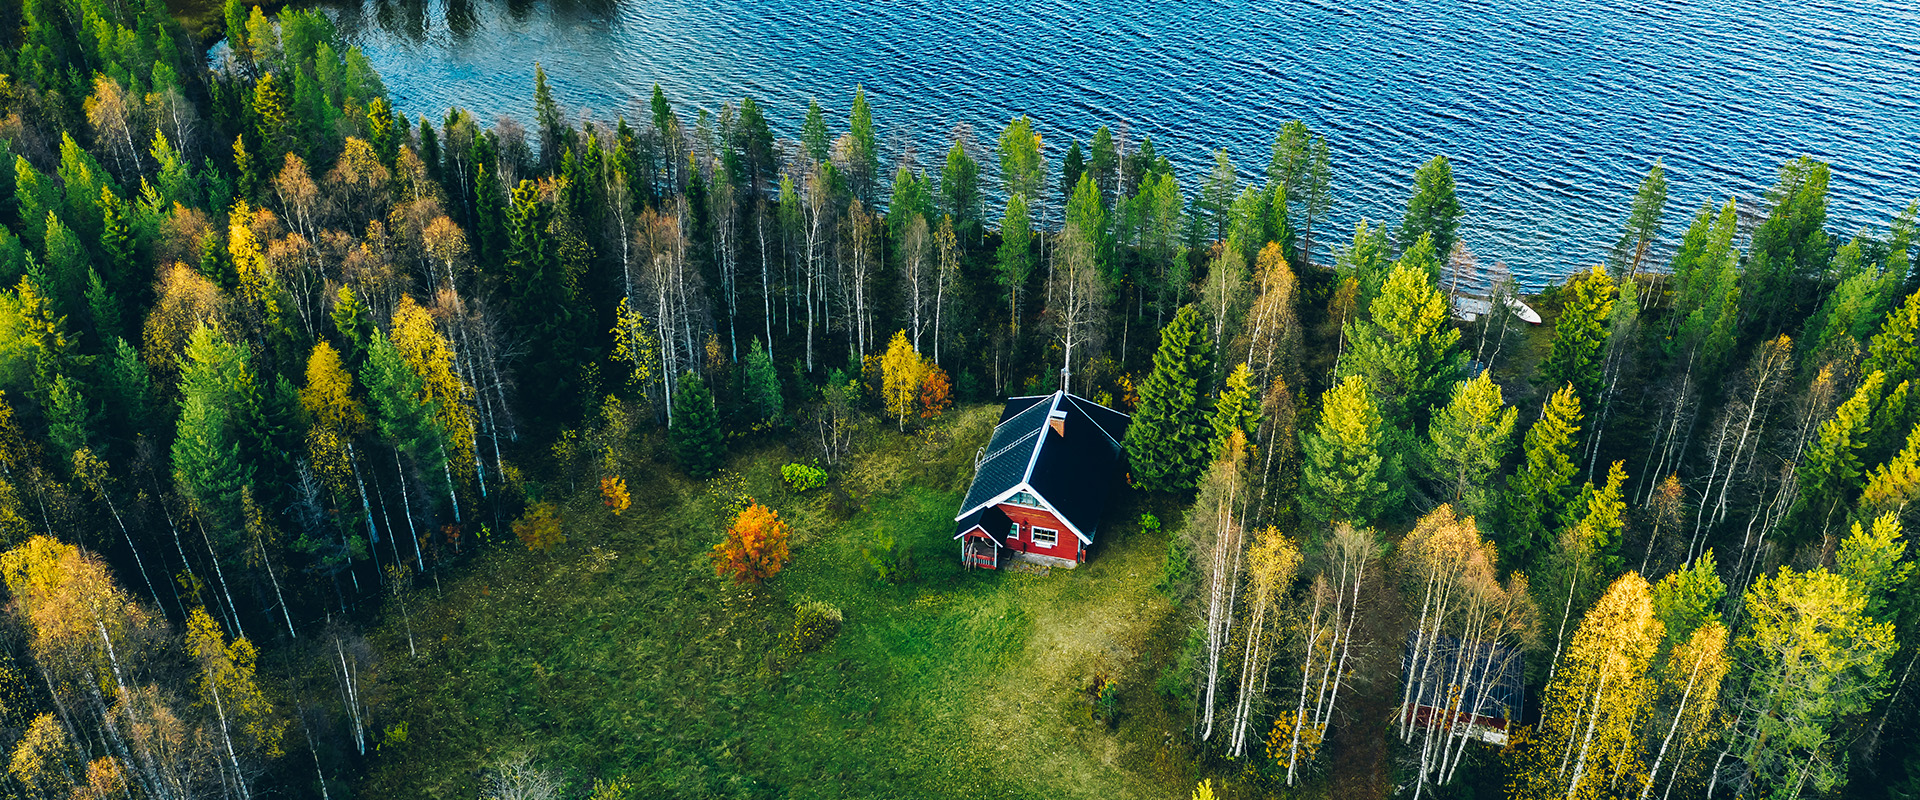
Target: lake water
1550, 111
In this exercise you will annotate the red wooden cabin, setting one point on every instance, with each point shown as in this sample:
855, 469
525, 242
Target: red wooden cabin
1043, 483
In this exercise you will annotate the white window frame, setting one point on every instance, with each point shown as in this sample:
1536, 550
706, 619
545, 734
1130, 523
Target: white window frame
1051, 534
1025, 498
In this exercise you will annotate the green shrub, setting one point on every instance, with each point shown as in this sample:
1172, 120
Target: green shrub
1173, 571
803, 477
891, 561
814, 624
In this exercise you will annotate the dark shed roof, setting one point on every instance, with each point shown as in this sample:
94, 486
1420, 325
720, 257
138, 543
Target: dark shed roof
989, 519
1505, 694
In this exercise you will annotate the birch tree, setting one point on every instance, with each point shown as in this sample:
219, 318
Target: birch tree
1334, 614
1587, 743
1217, 539
1272, 562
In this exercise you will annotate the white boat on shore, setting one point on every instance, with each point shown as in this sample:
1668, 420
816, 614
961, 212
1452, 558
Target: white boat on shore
1468, 308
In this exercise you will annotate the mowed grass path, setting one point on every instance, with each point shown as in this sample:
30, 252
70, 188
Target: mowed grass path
620, 653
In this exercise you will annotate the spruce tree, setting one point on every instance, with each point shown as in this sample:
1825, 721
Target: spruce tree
489, 201
1537, 494
1072, 168
695, 434
1643, 224
1350, 473
762, 383
1237, 409
866, 145
1789, 249
1434, 209
395, 396
1580, 335
206, 445
1169, 442
554, 131
1469, 438
960, 191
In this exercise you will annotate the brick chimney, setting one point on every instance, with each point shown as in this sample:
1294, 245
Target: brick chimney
1058, 421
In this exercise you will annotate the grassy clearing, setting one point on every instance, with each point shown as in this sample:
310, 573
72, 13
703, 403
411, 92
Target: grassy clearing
620, 654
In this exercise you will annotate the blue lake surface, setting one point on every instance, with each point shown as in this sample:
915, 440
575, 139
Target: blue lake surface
1550, 111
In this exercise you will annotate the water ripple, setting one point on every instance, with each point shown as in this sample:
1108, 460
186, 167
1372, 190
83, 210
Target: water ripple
1551, 110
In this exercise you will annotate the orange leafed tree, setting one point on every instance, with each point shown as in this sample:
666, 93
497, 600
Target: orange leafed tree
613, 492
755, 548
936, 393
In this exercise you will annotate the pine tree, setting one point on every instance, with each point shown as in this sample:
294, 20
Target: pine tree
1168, 441
1469, 439
1350, 473
1434, 210
1580, 335
1537, 493
1643, 224
1015, 259
695, 435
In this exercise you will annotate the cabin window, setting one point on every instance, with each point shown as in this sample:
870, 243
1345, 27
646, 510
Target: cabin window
1024, 499
1013, 534
1045, 537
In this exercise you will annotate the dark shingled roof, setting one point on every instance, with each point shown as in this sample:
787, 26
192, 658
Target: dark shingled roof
1505, 694
1076, 474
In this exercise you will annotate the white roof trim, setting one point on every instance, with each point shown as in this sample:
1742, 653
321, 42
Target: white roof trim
982, 529
1027, 476
998, 499
1044, 503
1084, 539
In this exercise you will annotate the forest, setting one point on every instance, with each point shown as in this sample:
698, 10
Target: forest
346, 455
